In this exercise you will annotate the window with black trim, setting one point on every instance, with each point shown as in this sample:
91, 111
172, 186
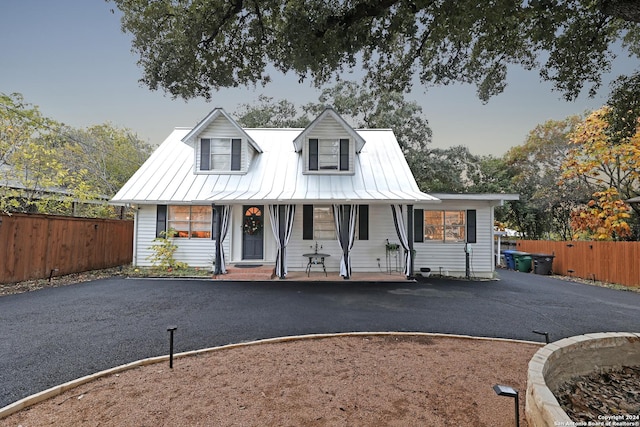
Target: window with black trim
220, 154
444, 226
318, 223
192, 222
324, 226
328, 154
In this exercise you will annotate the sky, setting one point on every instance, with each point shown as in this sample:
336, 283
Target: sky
71, 59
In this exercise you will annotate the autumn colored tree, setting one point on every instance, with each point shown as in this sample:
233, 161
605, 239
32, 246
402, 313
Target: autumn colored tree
610, 168
544, 209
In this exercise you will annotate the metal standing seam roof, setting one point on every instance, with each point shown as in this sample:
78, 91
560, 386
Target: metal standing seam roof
275, 175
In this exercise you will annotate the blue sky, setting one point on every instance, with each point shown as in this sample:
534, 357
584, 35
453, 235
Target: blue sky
70, 58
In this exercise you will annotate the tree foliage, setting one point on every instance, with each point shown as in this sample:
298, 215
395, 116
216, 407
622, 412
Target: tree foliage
190, 48
50, 168
268, 113
356, 104
610, 168
544, 208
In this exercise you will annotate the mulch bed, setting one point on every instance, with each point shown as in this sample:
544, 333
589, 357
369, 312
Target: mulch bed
600, 396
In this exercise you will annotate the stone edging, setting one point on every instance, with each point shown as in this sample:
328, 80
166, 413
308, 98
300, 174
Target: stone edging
57, 390
558, 361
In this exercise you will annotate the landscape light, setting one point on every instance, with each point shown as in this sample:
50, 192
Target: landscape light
171, 329
546, 335
505, 390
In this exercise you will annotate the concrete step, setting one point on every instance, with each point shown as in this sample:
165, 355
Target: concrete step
263, 272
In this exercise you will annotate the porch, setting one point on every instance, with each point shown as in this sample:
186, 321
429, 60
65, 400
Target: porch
263, 272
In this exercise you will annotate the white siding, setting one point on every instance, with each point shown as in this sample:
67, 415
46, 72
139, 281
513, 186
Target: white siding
194, 252
222, 128
365, 253
450, 258
329, 128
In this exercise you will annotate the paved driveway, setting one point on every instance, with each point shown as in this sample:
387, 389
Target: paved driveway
51, 336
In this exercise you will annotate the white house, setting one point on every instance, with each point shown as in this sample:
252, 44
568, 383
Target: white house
278, 196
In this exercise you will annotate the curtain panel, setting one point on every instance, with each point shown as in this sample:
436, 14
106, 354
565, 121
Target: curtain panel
282, 226
345, 219
221, 217
398, 221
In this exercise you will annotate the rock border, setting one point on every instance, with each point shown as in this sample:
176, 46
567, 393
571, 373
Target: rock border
559, 361
59, 389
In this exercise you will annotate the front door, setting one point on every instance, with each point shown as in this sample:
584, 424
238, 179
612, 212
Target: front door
253, 232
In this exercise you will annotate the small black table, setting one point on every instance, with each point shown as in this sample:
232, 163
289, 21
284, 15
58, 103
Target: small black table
316, 259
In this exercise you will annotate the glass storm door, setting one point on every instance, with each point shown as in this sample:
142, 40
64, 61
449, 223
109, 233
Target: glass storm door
253, 232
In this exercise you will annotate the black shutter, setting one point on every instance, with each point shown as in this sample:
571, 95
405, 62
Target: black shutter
471, 226
236, 154
205, 154
161, 220
307, 222
313, 154
363, 222
344, 154
418, 225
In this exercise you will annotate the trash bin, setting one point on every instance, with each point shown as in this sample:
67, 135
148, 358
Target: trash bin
542, 263
509, 259
522, 261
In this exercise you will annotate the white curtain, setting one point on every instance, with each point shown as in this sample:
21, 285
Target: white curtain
224, 213
398, 221
282, 234
346, 232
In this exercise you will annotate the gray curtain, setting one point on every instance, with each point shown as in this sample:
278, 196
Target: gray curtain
345, 220
282, 225
223, 215
398, 221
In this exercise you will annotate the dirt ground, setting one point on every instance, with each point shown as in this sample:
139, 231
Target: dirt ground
406, 380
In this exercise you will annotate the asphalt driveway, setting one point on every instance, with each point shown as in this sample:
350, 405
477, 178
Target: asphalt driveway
54, 335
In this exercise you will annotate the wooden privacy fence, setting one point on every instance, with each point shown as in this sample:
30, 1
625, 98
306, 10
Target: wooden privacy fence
612, 262
34, 246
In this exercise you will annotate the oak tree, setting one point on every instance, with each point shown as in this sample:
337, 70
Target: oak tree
190, 48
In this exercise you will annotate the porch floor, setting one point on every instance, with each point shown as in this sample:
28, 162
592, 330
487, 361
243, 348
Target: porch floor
265, 272
318, 276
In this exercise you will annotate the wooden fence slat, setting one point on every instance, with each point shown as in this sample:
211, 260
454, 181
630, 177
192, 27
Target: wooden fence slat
612, 262
33, 245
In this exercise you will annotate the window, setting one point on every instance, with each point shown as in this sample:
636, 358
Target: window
220, 154
324, 227
318, 223
328, 154
192, 222
444, 226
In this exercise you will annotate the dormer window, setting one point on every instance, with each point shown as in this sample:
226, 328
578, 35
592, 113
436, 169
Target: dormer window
220, 154
328, 154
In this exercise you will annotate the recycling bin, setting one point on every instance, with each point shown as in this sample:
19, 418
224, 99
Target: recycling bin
508, 257
542, 263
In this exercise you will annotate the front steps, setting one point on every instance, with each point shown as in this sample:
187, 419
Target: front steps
263, 272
